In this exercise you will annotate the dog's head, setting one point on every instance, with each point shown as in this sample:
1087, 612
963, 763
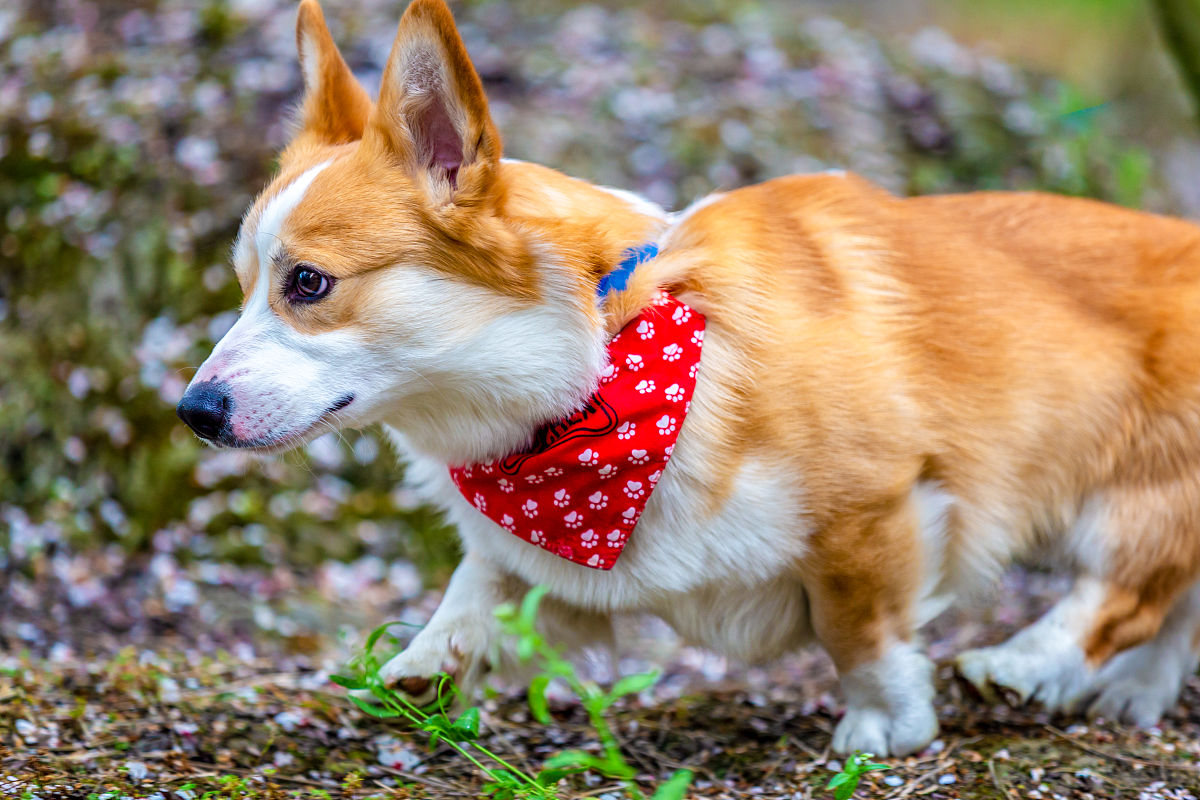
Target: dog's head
383, 279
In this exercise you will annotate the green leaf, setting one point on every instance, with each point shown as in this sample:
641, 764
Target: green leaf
505, 612
577, 760
378, 633
675, 787
372, 709
525, 648
529, 606
632, 684
467, 723
550, 777
503, 786
838, 780
569, 759
537, 699
347, 682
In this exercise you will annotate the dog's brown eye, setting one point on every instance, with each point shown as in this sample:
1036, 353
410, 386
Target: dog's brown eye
308, 284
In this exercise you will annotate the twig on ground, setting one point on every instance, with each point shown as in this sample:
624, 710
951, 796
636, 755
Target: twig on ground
1000, 784
1118, 757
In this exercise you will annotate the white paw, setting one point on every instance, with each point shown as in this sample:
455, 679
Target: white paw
1053, 674
872, 730
1134, 702
890, 705
460, 653
1138, 686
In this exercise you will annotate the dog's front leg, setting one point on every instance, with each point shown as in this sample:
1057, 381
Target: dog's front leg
863, 579
462, 637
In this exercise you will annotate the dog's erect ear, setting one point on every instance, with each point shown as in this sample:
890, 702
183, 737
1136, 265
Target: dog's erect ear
432, 113
336, 106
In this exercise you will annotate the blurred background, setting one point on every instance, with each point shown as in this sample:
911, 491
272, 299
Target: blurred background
134, 134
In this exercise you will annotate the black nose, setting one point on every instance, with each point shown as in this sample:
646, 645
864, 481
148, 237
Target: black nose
206, 408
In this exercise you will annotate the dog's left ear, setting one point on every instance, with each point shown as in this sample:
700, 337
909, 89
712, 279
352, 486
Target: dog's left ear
335, 106
432, 113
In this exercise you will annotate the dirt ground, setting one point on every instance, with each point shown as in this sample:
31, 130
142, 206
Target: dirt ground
231, 694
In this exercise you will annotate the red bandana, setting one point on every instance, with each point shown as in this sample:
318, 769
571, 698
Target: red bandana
583, 484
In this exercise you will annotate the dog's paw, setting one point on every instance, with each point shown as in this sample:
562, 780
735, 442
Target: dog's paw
873, 730
1055, 676
461, 654
890, 705
1134, 701
1139, 686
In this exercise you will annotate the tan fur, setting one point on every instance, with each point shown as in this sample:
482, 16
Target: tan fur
1026, 353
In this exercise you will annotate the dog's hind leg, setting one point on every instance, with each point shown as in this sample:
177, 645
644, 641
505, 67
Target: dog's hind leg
1141, 684
1130, 617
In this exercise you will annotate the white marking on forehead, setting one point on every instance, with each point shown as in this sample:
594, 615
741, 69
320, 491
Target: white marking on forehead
270, 223
277, 210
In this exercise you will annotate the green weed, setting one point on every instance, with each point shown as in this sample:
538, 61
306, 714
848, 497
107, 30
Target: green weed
845, 782
504, 780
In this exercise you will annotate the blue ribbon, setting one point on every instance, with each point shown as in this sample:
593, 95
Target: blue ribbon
618, 279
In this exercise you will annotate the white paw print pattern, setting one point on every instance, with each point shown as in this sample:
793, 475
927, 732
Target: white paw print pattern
551, 498
661, 299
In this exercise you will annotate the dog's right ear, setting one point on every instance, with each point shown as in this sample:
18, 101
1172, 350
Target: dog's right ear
336, 106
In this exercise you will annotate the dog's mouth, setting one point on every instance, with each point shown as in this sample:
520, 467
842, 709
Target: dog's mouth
272, 445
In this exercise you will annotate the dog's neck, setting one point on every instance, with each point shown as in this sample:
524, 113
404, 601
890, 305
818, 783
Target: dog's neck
540, 362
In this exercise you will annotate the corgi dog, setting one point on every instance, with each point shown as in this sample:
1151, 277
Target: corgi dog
887, 401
